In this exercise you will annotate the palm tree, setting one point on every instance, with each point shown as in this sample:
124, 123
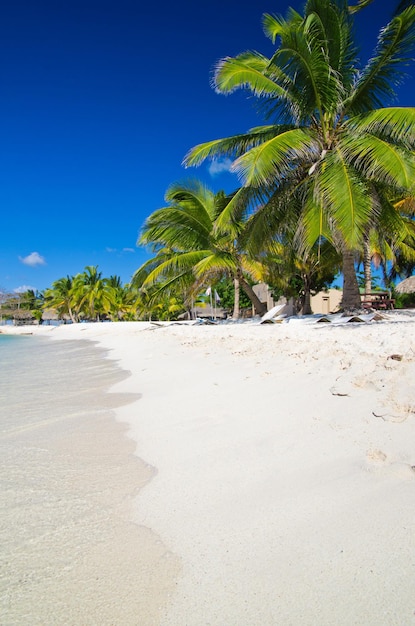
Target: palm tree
120, 301
60, 298
329, 147
382, 250
90, 291
299, 277
190, 250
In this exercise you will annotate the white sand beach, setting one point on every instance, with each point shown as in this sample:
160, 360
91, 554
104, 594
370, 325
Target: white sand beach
284, 467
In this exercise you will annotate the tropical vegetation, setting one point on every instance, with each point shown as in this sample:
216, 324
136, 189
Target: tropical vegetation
89, 296
191, 249
333, 159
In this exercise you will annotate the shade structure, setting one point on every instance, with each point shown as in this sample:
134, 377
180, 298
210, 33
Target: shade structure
406, 286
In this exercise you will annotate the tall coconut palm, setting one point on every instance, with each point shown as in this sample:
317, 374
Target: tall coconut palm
190, 250
329, 144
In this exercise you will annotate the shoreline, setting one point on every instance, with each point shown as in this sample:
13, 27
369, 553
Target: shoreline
284, 463
71, 550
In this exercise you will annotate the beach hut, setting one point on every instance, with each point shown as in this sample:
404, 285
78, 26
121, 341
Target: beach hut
406, 286
21, 317
50, 316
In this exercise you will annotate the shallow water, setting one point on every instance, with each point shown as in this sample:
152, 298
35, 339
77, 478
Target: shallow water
69, 550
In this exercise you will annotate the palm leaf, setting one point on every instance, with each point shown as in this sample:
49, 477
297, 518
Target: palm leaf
380, 160
276, 215
304, 55
233, 146
216, 262
336, 35
313, 225
384, 71
393, 226
175, 228
272, 160
344, 197
354, 8
195, 196
229, 221
247, 70
176, 265
395, 124
275, 26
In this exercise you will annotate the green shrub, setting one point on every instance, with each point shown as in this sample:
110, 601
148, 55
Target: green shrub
404, 300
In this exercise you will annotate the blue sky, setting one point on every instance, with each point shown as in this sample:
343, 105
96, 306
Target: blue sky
100, 100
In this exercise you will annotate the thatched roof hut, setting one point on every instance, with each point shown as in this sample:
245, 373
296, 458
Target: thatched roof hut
406, 286
50, 315
22, 316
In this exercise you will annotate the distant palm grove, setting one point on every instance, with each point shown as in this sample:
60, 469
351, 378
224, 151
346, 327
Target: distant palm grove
326, 184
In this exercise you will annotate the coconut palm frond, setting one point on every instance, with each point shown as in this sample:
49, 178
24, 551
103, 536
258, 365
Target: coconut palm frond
402, 5
175, 265
385, 70
229, 147
218, 262
344, 197
273, 159
253, 268
187, 223
247, 71
406, 205
379, 160
396, 124
313, 56
275, 26
194, 196
235, 212
141, 274
335, 35
313, 225
354, 8
396, 226
175, 227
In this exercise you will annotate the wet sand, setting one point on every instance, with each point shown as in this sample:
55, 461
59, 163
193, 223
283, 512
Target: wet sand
71, 553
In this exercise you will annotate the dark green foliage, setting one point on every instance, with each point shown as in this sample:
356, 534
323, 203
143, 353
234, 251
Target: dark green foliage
404, 300
226, 292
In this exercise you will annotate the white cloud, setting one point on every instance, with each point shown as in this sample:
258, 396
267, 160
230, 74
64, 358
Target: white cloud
112, 250
218, 166
24, 288
33, 259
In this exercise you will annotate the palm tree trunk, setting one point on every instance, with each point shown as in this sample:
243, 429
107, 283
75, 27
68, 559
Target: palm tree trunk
367, 266
72, 316
259, 307
237, 289
306, 308
351, 295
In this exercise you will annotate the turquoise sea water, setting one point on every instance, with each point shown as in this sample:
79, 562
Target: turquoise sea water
68, 474
43, 381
